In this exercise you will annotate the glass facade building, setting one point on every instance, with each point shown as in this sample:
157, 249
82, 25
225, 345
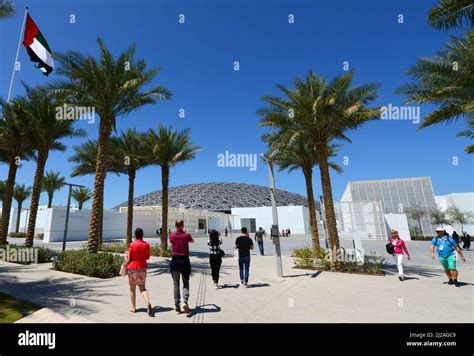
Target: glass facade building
395, 196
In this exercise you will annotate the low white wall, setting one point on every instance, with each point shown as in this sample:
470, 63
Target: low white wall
296, 218
398, 222
114, 225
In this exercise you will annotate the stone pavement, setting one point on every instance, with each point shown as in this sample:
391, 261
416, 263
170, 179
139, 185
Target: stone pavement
301, 296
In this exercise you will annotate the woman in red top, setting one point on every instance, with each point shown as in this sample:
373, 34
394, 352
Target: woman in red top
137, 255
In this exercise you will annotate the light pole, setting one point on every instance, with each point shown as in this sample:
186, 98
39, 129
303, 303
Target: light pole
275, 229
67, 211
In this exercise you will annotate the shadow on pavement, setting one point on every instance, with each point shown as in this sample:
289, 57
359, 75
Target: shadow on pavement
224, 286
57, 293
461, 284
423, 271
258, 285
202, 309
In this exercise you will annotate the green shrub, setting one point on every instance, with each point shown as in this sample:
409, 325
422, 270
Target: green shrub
45, 255
40, 236
155, 251
100, 265
117, 247
306, 258
17, 234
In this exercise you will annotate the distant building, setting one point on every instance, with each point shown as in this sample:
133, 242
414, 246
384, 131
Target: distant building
395, 196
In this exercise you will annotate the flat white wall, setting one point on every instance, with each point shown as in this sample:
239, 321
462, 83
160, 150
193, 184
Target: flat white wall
40, 219
398, 222
296, 218
114, 226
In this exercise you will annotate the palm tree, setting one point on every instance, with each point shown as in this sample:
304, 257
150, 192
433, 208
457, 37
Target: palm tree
46, 131
20, 194
469, 133
114, 87
319, 112
81, 195
6, 9
15, 146
451, 14
85, 158
128, 154
51, 183
2, 190
300, 155
166, 148
444, 81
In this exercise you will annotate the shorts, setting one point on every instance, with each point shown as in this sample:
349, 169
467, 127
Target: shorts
137, 277
448, 263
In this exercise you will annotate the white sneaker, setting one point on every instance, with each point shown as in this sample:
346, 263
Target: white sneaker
216, 286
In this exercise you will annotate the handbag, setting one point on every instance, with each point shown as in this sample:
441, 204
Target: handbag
221, 252
123, 269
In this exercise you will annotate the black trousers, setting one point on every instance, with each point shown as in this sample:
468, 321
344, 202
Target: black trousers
215, 261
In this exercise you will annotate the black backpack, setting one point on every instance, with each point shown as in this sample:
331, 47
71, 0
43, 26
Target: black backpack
390, 248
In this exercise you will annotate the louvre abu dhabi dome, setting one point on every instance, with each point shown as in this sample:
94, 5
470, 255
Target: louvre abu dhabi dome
219, 197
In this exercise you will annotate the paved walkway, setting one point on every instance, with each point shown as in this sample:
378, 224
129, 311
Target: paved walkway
302, 296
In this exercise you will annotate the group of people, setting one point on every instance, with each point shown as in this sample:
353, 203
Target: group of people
285, 233
180, 266
465, 240
445, 246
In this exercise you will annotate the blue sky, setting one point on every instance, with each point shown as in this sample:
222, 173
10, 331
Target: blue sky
197, 60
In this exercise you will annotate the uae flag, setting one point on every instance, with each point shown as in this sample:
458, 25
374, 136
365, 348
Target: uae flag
37, 47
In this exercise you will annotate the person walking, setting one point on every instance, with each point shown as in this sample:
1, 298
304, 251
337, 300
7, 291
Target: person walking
446, 248
466, 241
455, 237
215, 256
399, 248
259, 238
226, 231
244, 244
137, 254
180, 265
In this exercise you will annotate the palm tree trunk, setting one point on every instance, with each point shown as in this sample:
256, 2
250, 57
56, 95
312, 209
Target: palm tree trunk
329, 207
50, 199
131, 184
18, 216
421, 229
308, 176
7, 200
165, 172
80, 205
35, 196
105, 130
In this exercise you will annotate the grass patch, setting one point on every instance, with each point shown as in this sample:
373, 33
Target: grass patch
12, 309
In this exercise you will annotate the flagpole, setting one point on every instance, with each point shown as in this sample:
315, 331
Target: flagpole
17, 53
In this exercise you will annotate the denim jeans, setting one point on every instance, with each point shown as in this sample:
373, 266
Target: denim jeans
177, 295
244, 265
260, 247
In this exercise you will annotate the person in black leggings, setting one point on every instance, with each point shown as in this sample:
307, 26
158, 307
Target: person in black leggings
215, 256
